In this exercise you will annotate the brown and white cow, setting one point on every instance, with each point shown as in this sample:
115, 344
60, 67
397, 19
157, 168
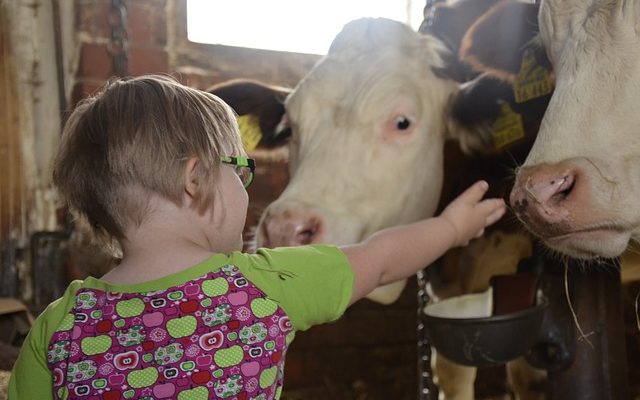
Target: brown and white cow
372, 116
579, 187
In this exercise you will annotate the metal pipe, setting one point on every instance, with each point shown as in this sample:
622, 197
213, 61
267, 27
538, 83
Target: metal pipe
599, 370
426, 387
57, 37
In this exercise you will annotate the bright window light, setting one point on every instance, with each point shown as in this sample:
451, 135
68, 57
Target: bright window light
288, 25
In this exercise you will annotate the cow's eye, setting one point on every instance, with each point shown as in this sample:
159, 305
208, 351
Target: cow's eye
402, 123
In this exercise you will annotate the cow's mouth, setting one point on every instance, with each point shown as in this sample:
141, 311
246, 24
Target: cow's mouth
602, 241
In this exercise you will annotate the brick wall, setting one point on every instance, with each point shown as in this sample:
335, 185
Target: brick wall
146, 27
157, 38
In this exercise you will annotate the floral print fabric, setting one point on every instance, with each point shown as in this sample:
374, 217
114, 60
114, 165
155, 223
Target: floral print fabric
216, 337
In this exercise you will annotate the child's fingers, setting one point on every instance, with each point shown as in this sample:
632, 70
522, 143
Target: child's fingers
488, 206
494, 209
495, 216
475, 192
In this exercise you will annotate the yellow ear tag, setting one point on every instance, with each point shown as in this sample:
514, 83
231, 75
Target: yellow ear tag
250, 132
532, 81
507, 128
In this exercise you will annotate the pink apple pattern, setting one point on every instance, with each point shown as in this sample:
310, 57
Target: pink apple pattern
216, 337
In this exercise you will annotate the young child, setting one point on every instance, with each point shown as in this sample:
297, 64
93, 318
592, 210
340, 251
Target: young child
159, 168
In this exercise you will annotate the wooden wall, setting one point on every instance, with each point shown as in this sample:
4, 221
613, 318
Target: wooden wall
12, 194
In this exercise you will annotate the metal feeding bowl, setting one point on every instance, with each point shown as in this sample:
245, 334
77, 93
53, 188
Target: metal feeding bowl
462, 330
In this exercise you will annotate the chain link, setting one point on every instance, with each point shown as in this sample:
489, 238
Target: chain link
426, 388
118, 44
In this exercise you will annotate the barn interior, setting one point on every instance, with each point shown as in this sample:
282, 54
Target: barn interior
57, 52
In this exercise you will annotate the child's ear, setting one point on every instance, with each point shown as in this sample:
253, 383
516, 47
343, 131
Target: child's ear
191, 177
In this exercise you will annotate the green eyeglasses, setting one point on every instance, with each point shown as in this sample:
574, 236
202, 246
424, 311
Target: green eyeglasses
245, 167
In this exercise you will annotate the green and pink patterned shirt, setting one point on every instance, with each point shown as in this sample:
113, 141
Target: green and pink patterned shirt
218, 330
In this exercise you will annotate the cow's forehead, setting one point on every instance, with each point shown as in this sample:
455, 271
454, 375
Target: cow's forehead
345, 81
364, 50
372, 78
366, 36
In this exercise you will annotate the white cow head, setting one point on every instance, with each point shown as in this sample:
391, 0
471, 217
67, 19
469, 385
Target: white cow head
369, 122
366, 151
579, 188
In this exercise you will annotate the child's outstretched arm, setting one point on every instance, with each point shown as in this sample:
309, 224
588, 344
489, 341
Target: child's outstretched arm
399, 252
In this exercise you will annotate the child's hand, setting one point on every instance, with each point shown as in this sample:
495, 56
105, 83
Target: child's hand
469, 214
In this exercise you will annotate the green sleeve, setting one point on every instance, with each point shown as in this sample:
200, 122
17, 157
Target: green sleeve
31, 377
313, 284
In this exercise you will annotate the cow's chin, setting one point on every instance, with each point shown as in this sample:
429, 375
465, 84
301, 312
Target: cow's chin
590, 244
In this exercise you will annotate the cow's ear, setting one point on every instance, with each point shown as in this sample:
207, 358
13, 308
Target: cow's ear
260, 109
496, 42
484, 117
501, 108
472, 110
449, 21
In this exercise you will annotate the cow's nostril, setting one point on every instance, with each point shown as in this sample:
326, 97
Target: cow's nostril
565, 186
307, 233
521, 205
306, 236
289, 228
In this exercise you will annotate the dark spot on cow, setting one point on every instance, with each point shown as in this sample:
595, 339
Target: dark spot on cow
521, 206
402, 123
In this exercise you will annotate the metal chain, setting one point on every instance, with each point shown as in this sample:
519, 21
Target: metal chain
426, 388
118, 45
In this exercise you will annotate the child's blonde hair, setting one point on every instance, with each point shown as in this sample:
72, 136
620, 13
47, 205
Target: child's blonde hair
133, 138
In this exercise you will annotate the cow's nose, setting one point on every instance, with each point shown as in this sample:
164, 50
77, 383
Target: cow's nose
542, 190
291, 228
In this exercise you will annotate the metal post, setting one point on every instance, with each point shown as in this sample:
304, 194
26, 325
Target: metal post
119, 44
599, 370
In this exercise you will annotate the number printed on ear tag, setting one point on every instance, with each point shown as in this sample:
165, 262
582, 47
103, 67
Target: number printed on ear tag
532, 81
507, 128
